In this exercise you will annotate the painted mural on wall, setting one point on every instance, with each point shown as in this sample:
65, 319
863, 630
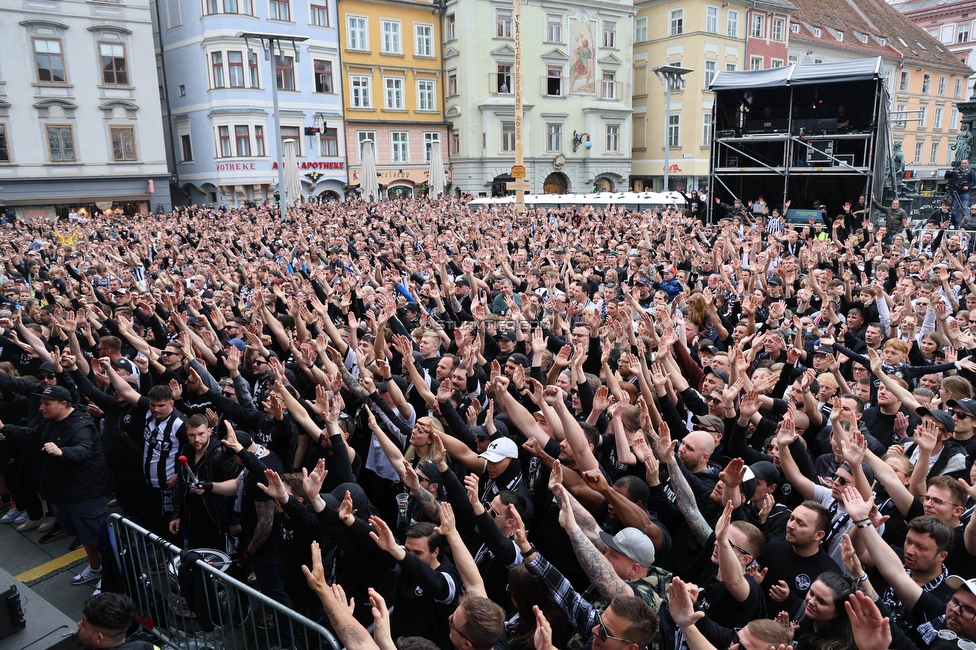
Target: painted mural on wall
582, 79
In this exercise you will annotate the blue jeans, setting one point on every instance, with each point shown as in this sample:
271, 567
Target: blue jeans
265, 566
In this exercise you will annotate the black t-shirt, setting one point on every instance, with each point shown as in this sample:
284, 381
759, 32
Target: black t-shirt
797, 571
252, 496
719, 605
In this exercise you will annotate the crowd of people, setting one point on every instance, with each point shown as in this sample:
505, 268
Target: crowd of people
566, 429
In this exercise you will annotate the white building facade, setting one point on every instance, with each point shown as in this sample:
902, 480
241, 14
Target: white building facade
577, 66
80, 123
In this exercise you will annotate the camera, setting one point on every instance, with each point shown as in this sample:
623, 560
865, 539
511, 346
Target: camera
952, 178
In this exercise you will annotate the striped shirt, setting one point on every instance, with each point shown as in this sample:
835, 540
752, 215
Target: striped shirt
163, 441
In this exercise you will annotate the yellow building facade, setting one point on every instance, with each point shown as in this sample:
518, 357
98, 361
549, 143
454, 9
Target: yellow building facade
704, 37
392, 89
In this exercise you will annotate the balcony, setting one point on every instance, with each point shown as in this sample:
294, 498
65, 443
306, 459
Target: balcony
554, 86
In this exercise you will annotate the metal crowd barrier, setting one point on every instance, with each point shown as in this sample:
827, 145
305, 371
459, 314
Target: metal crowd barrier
207, 609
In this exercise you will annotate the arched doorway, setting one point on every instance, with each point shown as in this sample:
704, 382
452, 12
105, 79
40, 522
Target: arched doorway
499, 186
399, 192
603, 184
329, 195
556, 183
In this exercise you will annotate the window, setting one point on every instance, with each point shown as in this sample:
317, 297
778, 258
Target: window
455, 142
217, 58
779, 27
399, 146
706, 129
962, 34
235, 66
947, 33
554, 28
391, 37
674, 131
259, 141
329, 142
776, 63
554, 81
430, 137
942, 85
186, 148
504, 77
424, 40
114, 70
242, 138
795, 28
211, 7
279, 10
554, 138
957, 89
609, 85
934, 154
425, 95
918, 153
356, 32
123, 143
223, 133
677, 22
711, 20
755, 63
900, 115
609, 34
503, 23
49, 61
320, 14
923, 114
711, 67
451, 26
792, 59
731, 67
903, 81
926, 83
4, 148
640, 30
360, 85
613, 138
292, 133
252, 67
285, 72
323, 76
758, 28
452, 85
732, 24
953, 118
508, 136
937, 119
394, 94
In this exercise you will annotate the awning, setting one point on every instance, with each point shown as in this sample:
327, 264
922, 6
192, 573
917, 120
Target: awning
799, 75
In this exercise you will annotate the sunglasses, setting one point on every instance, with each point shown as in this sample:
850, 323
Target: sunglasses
45, 375
840, 479
605, 634
962, 415
167, 353
714, 400
739, 548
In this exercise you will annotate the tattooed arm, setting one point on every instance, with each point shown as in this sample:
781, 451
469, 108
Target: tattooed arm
262, 531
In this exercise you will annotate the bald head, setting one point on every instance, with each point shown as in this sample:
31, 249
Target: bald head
695, 450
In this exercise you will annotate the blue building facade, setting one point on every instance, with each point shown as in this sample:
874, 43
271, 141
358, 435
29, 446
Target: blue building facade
217, 97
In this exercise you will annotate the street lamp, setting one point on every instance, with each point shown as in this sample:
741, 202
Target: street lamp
672, 77
268, 42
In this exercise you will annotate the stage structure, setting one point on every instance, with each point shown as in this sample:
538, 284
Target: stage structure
807, 133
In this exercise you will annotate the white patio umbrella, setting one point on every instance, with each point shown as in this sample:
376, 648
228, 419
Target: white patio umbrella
435, 181
293, 186
369, 185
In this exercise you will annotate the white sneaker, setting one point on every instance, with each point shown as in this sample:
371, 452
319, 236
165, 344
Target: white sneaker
47, 524
98, 588
86, 576
30, 524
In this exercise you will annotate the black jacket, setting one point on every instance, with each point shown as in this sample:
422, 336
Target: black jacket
80, 473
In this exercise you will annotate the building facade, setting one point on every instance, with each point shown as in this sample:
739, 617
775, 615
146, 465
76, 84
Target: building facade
768, 34
953, 24
79, 114
577, 71
700, 36
217, 97
393, 86
923, 78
